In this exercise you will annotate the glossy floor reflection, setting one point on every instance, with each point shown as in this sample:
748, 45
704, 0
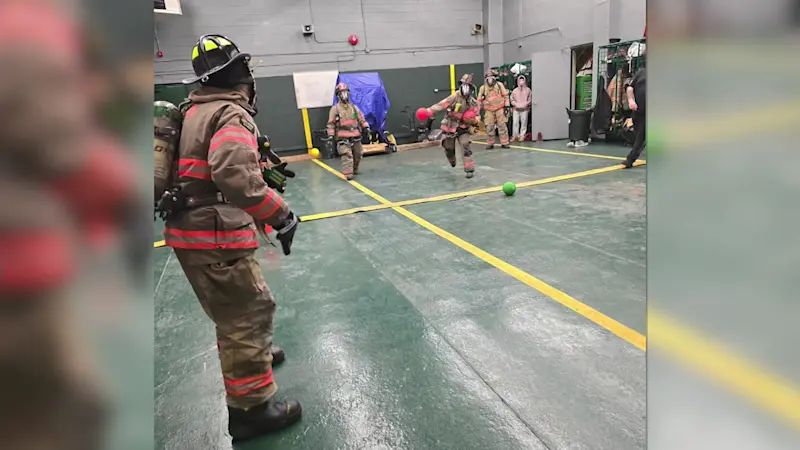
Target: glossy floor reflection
397, 339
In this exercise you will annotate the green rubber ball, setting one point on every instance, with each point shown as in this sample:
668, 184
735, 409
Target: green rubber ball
509, 188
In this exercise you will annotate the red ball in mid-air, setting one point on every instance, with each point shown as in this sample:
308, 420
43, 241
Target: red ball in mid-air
353, 39
423, 114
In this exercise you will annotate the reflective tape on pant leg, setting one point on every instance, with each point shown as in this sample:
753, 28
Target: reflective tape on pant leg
240, 387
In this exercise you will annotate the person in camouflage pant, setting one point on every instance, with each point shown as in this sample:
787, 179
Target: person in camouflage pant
459, 122
493, 98
346, 124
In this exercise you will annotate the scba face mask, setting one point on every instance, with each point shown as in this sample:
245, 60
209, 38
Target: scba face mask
491, 81
344, 96
465, 89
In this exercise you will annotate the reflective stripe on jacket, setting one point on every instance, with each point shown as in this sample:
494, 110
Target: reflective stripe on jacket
218, 152
493, 98
456, 105
350, 118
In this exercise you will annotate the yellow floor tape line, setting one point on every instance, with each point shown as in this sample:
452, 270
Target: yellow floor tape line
488, 190
717, 127
628, 334
743, 378
312, 217
768, 391
439, 198
561, 152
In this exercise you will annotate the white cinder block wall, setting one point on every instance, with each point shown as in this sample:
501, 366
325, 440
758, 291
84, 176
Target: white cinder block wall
392, 33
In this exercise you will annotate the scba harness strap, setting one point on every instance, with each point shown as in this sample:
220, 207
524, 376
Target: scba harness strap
174, 201
207, 200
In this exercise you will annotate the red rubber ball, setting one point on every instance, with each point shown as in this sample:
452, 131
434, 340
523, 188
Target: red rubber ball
422, 114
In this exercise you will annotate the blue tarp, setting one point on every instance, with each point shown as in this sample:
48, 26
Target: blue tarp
367, 92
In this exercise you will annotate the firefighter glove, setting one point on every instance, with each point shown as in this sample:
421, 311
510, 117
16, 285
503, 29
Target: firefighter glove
276, 177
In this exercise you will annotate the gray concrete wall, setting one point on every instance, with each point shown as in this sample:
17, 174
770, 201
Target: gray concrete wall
393, 34
494, 30
532, 26
542, 25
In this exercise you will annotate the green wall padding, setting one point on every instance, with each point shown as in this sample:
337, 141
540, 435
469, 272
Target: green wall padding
405, 87
279, 117
173, 93
475, 69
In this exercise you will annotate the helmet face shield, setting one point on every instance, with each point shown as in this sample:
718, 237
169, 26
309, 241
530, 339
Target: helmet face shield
343, 92
491, 77
465, 85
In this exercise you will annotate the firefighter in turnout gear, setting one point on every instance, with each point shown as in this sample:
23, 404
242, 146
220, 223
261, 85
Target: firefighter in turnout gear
66, 187
223, 205
346, 125
459, 123
493, 98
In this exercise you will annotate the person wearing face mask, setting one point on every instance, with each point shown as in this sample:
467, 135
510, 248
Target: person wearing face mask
225, 204
346, 125
521, 101
493, 97
458, 124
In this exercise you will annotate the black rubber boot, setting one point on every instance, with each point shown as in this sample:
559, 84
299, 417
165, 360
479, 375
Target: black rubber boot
278, 355
490, 146
504, 146
265, 418
627, 164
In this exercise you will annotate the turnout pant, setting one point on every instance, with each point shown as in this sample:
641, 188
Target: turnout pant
640, 127
463, 140
237, 299
50, 398
520, 124
496, 120
350, 152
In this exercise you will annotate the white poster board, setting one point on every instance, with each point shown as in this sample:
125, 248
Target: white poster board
314, 89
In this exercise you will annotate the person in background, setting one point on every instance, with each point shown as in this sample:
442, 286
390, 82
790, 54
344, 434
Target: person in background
637, 102
493, 98
521, 101
346, 125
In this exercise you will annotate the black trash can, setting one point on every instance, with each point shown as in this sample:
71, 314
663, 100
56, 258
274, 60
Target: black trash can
327, 149
579, 124
324, 144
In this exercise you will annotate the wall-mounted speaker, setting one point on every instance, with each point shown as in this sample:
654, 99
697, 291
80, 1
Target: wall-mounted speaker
167, 6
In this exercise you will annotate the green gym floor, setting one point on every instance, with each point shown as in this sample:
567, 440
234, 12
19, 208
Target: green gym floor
478, 321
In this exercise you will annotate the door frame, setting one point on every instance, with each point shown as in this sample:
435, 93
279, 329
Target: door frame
574, 70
